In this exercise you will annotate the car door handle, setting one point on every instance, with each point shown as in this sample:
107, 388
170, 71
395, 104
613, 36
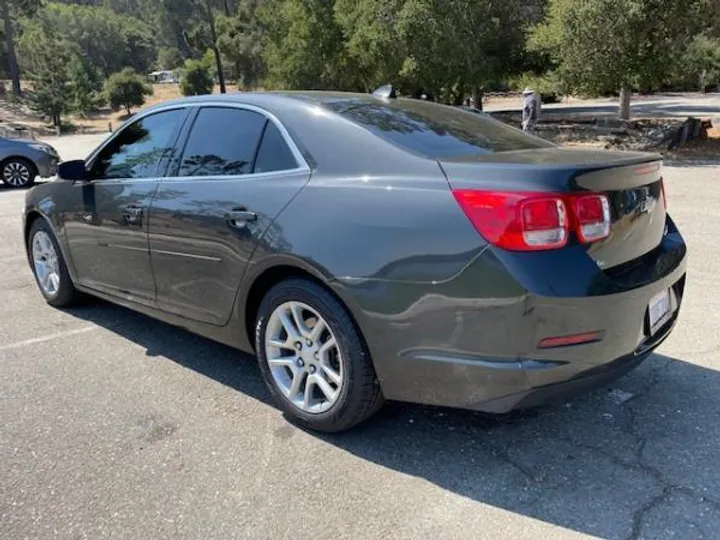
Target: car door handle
133, 212
239, 217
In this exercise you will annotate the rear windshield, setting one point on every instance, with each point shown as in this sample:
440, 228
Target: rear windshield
437, 131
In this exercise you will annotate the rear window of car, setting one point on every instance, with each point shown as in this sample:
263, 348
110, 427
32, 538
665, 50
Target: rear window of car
437, 131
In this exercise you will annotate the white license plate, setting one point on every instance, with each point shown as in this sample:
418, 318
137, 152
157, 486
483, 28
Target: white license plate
659, 310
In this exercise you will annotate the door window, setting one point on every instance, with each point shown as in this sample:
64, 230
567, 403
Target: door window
137, 150
222, 142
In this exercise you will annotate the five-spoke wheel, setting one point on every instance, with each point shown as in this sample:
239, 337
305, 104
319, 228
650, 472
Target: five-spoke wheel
313, 357
48, 265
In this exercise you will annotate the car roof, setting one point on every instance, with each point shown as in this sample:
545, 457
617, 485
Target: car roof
270, 99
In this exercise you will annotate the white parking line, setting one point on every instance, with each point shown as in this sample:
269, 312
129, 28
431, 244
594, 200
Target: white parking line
49, 337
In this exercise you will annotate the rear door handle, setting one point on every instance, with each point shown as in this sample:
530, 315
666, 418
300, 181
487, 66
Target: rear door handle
238, 217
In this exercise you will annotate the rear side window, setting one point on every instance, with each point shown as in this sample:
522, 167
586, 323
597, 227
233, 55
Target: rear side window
437, 131
223, 142
274, 153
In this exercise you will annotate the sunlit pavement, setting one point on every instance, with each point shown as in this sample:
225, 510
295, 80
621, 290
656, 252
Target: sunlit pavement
113, 425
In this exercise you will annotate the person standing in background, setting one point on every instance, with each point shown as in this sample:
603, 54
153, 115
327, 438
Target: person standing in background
531, 110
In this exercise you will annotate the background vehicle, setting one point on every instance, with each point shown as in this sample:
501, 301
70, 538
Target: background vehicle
21, 161
370, 248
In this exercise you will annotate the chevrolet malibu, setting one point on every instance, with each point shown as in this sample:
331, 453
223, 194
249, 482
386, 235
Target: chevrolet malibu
370, 248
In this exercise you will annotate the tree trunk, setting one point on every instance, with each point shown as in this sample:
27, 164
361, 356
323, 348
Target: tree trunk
228, 11
127, 108
10, 50
477, 97
624, 109
213, 35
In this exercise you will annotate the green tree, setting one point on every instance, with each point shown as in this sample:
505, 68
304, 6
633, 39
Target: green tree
197, 77
108, 40
169, 58
86, 85
702, 61
127, 89
603, 46
240, 41
11, 10
48, 60
305, 46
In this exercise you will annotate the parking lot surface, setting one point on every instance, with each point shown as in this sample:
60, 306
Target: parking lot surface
113, 425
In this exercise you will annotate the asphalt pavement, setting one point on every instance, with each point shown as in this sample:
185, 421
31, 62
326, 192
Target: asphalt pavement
113, 425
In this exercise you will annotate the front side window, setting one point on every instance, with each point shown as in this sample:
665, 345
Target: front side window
137, 150
222, 142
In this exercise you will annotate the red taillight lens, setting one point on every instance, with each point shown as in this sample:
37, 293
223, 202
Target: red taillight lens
592, 213
530, 221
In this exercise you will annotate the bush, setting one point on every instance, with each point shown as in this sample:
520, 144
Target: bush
196, 78
127, 89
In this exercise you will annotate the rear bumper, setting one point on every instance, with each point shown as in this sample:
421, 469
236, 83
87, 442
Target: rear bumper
471, 342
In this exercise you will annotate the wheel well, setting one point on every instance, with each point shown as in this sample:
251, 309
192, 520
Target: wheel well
29, 220
18, 158
262, 284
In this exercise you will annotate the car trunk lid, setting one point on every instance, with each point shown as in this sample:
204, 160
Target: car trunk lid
632, 182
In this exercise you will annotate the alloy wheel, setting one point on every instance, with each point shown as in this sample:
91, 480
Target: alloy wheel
16, 173
304, 358
46, 264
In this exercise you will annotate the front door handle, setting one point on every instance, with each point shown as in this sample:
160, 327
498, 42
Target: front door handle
132, 213
238, 217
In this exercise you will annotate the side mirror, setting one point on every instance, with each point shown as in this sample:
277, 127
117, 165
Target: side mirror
73, 170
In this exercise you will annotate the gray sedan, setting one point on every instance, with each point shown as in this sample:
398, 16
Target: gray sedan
367, 248
22, 161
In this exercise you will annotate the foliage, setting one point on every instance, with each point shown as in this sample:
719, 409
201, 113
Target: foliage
240, 40
197, 76
86, 86
127, 89
109, 41
304, 46
702, 61
48, 58
169, 58
599, 46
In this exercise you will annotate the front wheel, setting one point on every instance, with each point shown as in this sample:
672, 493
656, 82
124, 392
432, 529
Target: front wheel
313, 358
49, 266
18, 173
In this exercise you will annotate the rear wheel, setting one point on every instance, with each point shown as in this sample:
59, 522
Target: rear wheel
49, 266
18, 173
313, 358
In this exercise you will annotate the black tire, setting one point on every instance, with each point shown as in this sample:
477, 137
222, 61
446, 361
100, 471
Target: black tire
66, 294
360, 395
29, 165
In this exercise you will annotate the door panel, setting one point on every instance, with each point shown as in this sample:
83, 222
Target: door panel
106, 219
206, 222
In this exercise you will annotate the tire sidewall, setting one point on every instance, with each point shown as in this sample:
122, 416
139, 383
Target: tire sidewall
32, 169
349, 342
66, 288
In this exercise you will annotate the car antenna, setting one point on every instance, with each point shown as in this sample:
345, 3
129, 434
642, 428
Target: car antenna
386, 91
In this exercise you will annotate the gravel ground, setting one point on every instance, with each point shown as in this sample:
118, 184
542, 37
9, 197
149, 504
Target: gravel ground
114, 425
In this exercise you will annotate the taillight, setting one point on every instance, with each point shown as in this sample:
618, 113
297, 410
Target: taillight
531, 221
592, 213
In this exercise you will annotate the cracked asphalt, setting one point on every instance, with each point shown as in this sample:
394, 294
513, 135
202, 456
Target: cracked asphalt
114, 425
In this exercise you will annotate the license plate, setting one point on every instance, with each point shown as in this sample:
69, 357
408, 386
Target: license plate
659, 310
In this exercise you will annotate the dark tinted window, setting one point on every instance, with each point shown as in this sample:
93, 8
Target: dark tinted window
223, 142
437, 131
274, 153
136, 151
